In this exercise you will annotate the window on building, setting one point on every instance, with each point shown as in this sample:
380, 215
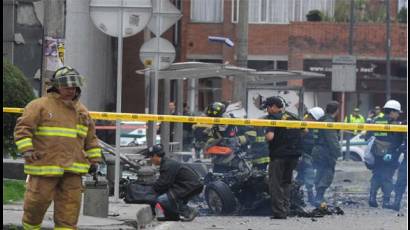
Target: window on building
207, 11
282, 11
267, 65
282, 65
261, 65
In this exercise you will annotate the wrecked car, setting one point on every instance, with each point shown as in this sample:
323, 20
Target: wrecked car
233, 184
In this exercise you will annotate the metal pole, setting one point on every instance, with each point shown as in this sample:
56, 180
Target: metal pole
351, 24
342, 115
118, 122
351, 32
242, 51
154, 84
178, 126
166, 126
191, 95
388, 48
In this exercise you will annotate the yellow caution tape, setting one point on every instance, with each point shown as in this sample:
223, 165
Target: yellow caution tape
236, 121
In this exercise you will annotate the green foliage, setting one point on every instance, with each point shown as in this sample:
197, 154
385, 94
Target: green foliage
402, 15
364, 11
315, 16
342, 9
17, 92
13, 190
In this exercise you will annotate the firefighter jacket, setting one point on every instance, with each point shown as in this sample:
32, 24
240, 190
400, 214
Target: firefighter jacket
219, 132
200, 134
176, 178
287, 142
258, 146
327, 148
61, 133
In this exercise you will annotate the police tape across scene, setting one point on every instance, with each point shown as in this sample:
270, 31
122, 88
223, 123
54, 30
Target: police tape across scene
235, 121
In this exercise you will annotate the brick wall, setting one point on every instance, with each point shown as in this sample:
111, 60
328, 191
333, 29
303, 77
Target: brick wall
328, 39
296, 40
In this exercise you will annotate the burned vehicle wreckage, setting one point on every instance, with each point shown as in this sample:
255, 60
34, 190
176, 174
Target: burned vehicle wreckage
233, 185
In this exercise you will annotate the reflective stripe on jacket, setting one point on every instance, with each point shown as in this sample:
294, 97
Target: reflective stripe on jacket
61, 133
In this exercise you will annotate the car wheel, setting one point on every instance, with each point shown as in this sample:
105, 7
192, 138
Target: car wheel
353, 156
220, 198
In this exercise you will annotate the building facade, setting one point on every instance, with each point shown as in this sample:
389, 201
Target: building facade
280, 38
283, 39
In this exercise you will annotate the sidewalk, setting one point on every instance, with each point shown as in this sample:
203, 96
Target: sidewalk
121, 216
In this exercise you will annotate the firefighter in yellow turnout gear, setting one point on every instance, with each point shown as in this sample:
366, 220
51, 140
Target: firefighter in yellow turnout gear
57, 137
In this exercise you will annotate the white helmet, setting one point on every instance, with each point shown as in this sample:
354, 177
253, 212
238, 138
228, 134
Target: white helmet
392, 104
317, 112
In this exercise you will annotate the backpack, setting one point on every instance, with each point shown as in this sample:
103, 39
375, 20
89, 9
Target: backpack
140, 194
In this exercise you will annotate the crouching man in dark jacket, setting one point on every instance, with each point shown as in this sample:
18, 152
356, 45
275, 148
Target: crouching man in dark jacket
176, 185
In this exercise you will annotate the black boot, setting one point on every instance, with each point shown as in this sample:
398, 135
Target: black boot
373, 194
373, 200
397, 201
386, 203
188, 213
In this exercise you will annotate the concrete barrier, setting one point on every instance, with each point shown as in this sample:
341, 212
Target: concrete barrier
14, 169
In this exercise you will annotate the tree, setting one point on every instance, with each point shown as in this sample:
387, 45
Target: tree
17, 92
314, 16
402, 16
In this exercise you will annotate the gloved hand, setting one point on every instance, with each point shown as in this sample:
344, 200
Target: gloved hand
93, 168
31, 156
387, 157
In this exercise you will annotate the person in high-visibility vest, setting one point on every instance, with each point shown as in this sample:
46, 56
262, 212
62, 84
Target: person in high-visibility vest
378, 112
356, 117
56, 136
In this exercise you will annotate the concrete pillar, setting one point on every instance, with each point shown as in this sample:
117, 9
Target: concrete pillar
90, 51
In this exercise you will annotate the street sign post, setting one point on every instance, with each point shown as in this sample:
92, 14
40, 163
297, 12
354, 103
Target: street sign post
344, 73
164, 15
344, 80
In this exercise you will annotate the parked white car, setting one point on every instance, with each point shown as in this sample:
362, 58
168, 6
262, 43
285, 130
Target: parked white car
357, 147
137, 136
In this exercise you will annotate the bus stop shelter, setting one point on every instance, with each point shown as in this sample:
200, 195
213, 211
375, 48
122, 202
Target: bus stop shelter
192, 72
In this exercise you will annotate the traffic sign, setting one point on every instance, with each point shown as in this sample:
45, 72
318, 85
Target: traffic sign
105, 15
344, 73
150, 53
166, 12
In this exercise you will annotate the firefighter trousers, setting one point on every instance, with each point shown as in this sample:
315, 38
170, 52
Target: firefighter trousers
65, 191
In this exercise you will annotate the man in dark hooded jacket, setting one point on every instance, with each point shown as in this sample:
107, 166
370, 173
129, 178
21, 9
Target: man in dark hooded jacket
176, 185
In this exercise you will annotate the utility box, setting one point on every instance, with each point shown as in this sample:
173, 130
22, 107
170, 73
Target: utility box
96, 198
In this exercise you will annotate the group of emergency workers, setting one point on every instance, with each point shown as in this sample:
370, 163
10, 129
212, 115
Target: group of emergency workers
56, 136
314, 157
